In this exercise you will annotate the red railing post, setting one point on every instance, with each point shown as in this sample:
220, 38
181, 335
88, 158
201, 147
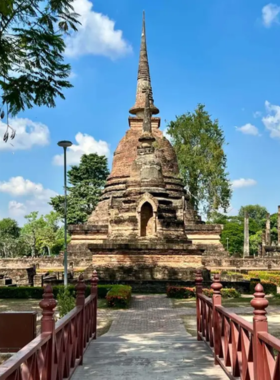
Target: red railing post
259, 303
47, 305
80, 302
198, 287
217, 301
94, 291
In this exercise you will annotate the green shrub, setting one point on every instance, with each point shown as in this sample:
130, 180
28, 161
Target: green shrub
271, 276
182, 292
185, 292
268, 287
119, 296
65, 301
24, 292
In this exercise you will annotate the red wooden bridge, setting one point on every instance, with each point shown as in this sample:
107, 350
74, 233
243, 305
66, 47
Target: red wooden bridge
243, 350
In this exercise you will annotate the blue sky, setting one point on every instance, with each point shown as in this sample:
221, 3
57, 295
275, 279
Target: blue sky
225, 54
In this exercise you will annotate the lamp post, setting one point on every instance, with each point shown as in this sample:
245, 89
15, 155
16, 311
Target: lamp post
65, 145
227, 243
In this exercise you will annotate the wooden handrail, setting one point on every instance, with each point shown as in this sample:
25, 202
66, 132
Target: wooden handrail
62, 342
235, 318
11, 364
270, 340
244, 350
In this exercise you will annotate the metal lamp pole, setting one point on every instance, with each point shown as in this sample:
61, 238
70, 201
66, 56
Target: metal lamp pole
227, 244
65, 145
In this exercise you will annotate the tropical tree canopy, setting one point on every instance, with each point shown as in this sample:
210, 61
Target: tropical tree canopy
198, 142
32, 67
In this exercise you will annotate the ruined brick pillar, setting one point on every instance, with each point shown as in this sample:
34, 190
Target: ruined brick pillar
263, 243
246, 249
267, 230
278, 225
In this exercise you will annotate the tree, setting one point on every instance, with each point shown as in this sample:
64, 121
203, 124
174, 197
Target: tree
255, 212
11, 245
48, 233
233, 231
87, 180
9, 227
32, 68
31, 231
198, 142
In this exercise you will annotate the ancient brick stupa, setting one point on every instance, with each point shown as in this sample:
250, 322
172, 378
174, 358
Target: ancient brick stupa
144, 226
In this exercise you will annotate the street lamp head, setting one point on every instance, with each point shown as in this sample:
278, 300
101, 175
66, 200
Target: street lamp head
64, 144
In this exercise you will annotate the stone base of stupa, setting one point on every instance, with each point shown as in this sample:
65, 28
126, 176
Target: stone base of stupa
142, 261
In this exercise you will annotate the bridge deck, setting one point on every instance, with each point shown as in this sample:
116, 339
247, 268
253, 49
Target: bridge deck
148, 342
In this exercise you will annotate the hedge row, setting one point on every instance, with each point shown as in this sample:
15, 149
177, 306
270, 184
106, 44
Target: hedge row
268, 276
268, 287
185, 292
24, 292
119, 296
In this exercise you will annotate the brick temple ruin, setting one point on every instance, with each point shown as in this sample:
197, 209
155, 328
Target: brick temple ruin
145, 225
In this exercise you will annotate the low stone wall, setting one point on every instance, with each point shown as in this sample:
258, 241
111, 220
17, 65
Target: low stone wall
79, 259
250, 263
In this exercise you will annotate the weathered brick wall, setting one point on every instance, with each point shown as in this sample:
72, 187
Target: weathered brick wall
246, 263
19, 276
146, 267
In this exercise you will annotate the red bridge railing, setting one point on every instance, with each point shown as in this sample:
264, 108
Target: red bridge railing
59, 349
244, 350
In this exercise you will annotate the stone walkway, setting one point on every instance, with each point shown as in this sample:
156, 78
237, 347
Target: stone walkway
148, 342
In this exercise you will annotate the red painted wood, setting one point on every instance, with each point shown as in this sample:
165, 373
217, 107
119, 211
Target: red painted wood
59, 349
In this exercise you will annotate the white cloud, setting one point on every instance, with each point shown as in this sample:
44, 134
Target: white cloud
272, 119
248, 129
28, 134
257, 114
18, 186
17, 210
96, 35
270, 14
242, 182
33, 197
85, 145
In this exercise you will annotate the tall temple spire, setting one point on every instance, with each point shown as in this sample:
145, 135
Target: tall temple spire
147, 127
143, 79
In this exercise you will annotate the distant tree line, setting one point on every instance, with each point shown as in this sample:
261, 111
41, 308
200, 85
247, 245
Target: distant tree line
233, 232
40, 235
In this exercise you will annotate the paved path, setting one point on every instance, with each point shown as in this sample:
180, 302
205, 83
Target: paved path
148, 342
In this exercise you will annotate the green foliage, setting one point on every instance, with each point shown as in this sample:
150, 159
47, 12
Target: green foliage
272, 276
181, 292
11, 244
255, 212
41, 233
9, 227
87, 181
234, 228
234, 231
25, 292
34, 73
119, 296
268, 287
198, 142
184, 292
65, 301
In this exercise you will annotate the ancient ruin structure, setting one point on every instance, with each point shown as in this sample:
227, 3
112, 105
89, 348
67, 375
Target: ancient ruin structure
145, 218
246, 249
